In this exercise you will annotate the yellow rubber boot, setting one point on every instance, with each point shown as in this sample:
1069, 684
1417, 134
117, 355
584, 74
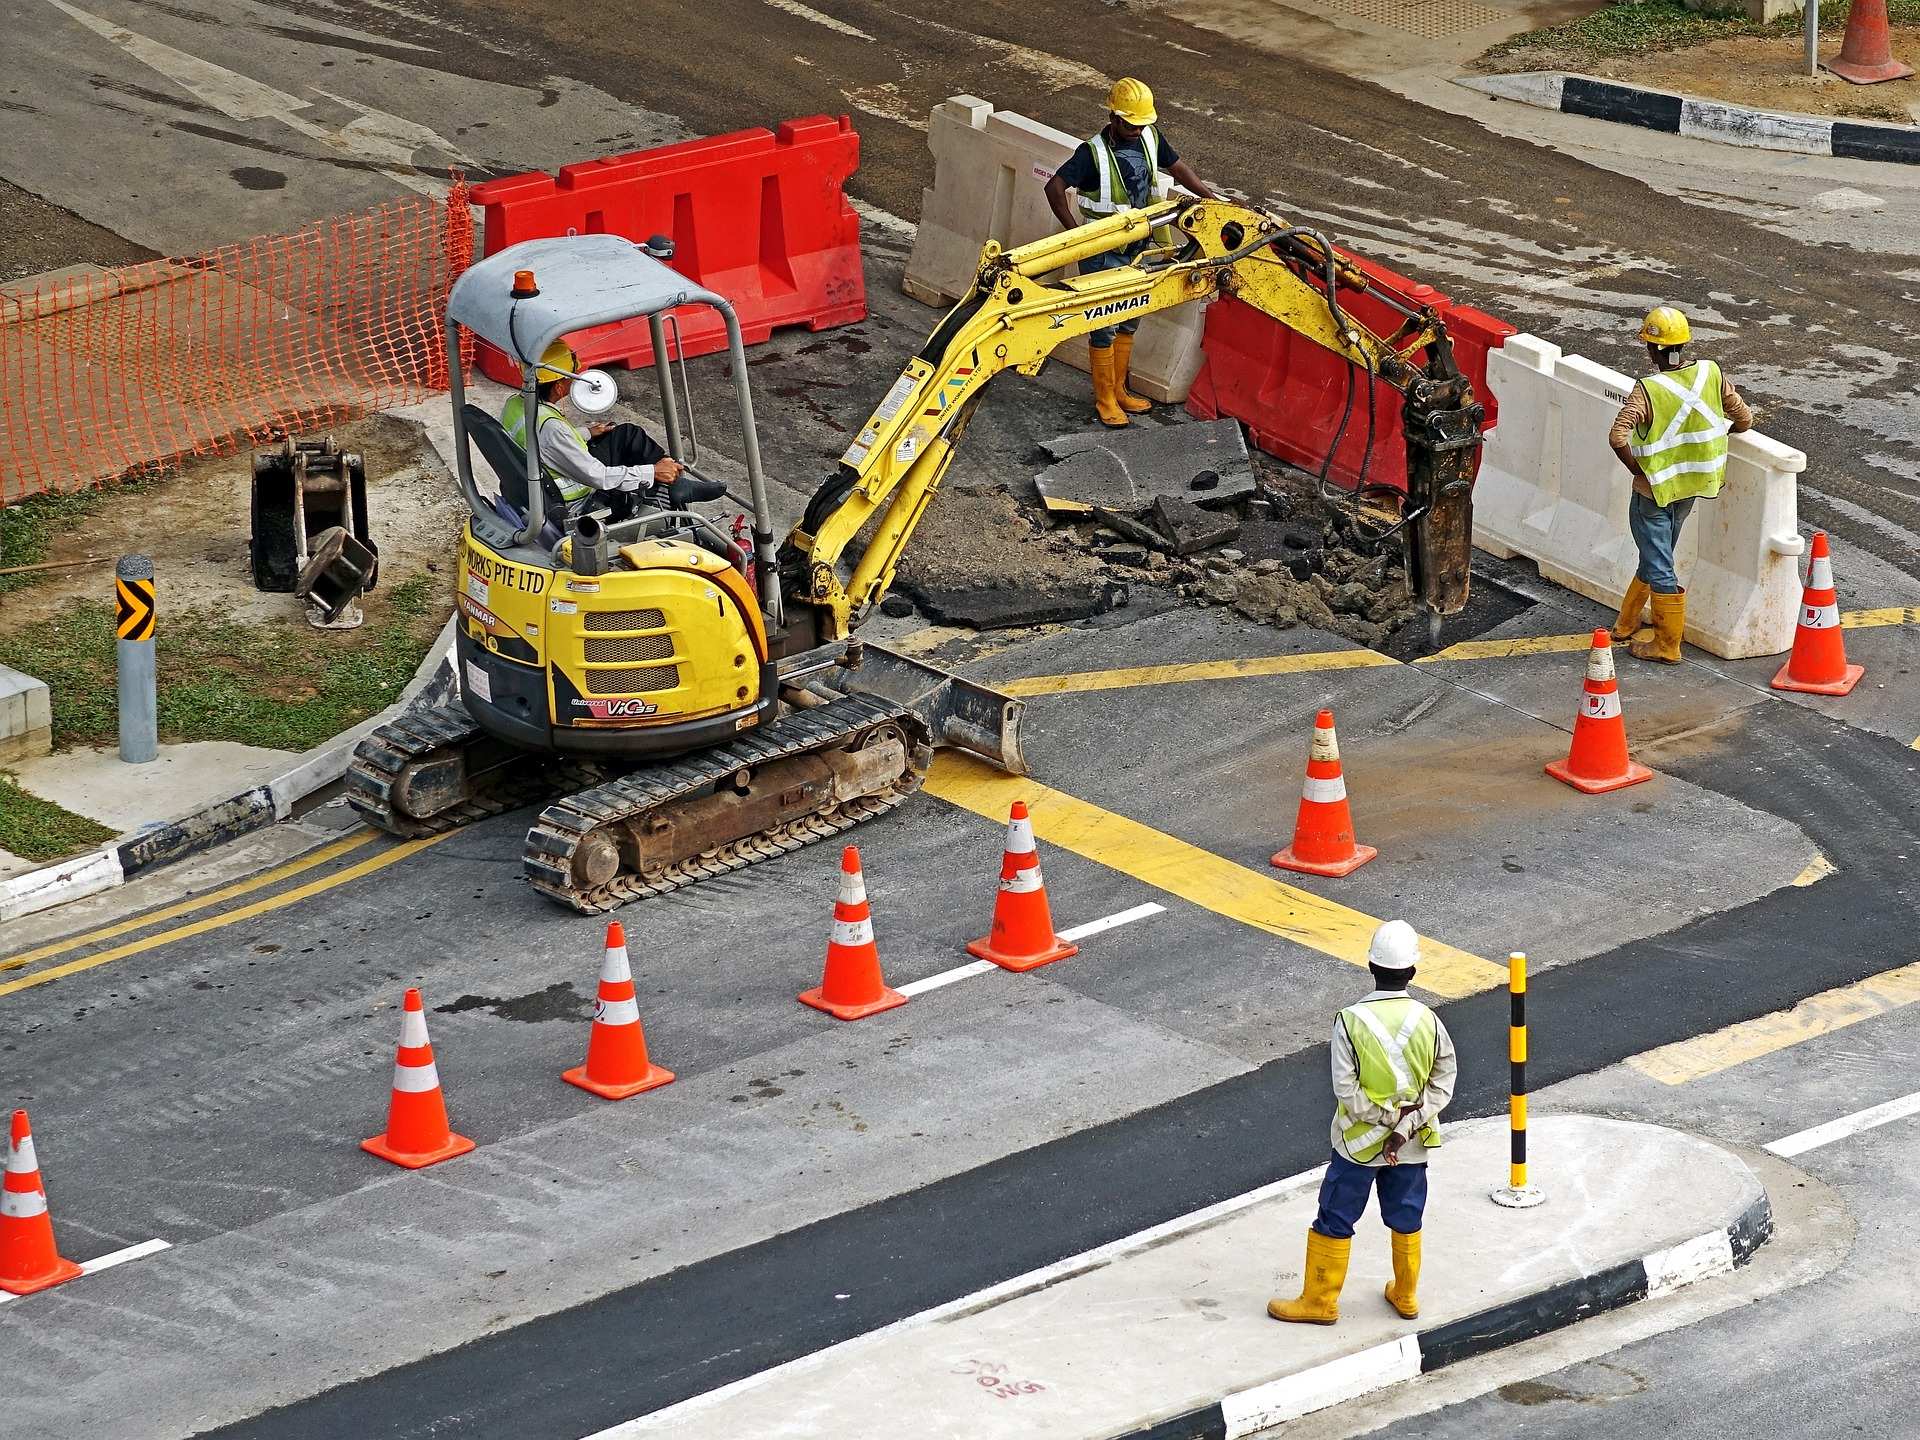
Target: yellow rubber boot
1106, 400
1319, 1302
1403, 1291
1123, 362
1633, 611
1669, 624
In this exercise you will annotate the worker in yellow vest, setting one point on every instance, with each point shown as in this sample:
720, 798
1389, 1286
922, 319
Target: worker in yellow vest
1118, 169
621, 461
1672, 437
1393, 1073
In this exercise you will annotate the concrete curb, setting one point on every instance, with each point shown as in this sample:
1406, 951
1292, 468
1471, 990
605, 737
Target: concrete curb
1247, 1412
224, 820
1702, 119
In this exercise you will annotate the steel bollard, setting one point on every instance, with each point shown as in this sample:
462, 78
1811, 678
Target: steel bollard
1517, 1194
133, 590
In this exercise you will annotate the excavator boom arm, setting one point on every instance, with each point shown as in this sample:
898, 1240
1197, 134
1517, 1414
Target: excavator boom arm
1023, 307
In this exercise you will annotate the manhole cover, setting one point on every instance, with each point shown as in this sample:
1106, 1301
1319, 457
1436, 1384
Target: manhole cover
1430, 19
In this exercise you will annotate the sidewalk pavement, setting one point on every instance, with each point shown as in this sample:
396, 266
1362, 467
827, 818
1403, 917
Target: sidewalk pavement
1166, 1333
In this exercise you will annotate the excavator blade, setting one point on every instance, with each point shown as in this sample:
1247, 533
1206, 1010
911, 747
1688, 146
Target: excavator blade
959, 713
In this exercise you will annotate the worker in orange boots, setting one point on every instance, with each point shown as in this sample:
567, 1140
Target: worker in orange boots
1672, 437
1118, 169
1393, 1073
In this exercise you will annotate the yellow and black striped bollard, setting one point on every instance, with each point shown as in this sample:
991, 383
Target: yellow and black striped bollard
1517, 1194
133, 645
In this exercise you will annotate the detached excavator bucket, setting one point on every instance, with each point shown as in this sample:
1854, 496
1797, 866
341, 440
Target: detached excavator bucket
961, 714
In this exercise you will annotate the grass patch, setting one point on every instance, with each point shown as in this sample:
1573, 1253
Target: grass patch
27, 529
36, 829
1636, 26
284, 687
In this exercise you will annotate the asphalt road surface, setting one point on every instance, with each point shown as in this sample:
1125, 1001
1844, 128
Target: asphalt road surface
802, 1181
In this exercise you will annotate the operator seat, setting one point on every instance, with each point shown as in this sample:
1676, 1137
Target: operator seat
509, 464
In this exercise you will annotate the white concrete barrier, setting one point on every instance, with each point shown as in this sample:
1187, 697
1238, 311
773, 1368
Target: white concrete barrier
990, 169
1551, 489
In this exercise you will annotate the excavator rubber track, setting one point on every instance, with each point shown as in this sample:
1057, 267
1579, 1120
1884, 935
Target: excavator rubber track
841, 724
435, 733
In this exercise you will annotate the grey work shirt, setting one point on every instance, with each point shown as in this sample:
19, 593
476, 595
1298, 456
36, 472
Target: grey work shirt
560, 447
1433, 1098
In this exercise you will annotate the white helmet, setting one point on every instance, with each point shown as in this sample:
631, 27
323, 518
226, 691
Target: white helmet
1395, 946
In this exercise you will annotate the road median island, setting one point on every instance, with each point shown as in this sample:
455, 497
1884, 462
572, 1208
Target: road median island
1165, 1333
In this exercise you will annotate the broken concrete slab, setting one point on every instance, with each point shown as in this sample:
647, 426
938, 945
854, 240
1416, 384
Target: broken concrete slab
1189, 528
1125, 469
1010, 607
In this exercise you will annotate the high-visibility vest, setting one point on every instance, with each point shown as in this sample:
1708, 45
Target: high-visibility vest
1682, 450
513, 419
1394, 1043
1112, 195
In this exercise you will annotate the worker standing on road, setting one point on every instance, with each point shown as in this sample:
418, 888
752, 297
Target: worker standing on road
1118, 169
1672, 437
1393, 1073
621, 460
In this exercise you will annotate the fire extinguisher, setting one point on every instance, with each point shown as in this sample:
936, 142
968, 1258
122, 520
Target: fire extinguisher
743, 537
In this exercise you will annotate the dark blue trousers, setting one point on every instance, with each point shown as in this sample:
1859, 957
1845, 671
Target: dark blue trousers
1344, 1191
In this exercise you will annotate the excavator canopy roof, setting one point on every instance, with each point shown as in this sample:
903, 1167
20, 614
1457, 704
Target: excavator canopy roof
583, 280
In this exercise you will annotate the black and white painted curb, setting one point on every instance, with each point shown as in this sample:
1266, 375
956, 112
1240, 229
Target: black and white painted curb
224, 820
1702, 119
1247, 1412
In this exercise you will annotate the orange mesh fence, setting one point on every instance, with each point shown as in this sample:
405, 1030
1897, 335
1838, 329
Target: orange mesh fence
120, 371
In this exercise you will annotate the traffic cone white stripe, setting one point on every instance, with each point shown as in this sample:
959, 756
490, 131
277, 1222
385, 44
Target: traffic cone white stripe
20, 1159
22, 1204
1324, 792
614, 968
853, 932
1820, 617
853, 888
413, 1029
617, 1012
1324, 746
1020, 837
413, 1079
1600, 665
1023, 881
1601, 707
1820, 575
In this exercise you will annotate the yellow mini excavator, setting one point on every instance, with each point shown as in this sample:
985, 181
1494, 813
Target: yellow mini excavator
685, 704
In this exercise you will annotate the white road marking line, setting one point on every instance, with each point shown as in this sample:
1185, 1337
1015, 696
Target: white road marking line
807, 12
947, 977
1868, 1119
1110, 922
980, 1299
107, 1262
1079, 932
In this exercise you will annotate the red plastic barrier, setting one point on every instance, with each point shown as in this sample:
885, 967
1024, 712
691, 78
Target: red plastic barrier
1289, 392
757, 216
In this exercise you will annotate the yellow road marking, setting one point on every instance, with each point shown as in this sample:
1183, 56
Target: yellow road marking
192, 903
1180, 674
1196, 875
1817, 870
230, 917
1504, 649
1817, 1015
1891, 615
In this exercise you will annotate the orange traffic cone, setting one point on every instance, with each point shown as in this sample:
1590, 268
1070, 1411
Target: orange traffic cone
852, 988
617, 1064
1818, 664
1022, 936
1597, 760
28, 1259
1866, 51
1323, 841
417, 1132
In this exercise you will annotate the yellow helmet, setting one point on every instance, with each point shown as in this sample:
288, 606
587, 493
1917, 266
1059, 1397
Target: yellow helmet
1132, 101
1665, 327
559, 357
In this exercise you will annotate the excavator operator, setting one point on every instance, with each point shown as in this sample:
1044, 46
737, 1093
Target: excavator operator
622, 462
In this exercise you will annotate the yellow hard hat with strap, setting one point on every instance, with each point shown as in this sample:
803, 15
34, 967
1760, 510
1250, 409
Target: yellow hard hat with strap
557, 364
1665, 327
1132, 101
